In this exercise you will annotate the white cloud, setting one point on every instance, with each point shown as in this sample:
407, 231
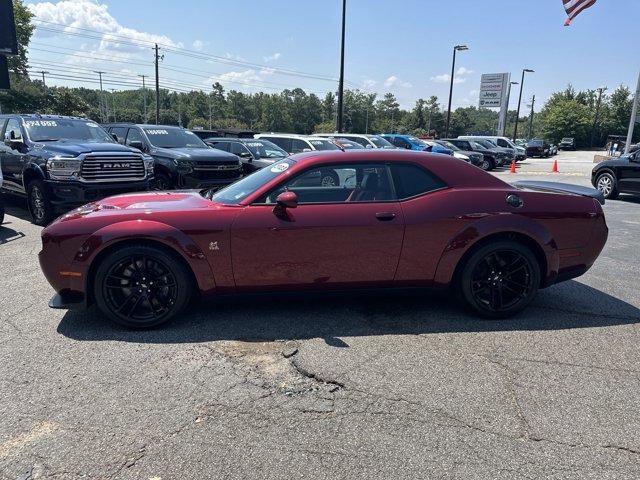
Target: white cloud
246, 77
231, 56
464, 71
199, 44
446, 78
94, 15
368, 84
393, 81
272, 58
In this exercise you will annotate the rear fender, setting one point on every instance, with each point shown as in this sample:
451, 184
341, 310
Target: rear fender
496, 224
158, 232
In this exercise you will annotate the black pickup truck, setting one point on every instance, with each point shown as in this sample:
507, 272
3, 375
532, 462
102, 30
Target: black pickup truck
63, 162
182, 160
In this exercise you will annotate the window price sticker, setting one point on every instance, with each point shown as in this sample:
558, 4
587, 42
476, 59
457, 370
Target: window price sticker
41, 123
157, 132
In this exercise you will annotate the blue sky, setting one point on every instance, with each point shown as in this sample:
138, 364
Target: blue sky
402, 46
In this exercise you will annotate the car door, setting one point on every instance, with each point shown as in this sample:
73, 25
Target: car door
338, 235
629, 175
13, 157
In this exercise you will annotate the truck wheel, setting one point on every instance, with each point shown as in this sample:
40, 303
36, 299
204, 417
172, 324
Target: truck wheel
163, 182
141, 286
487, 164
500, 279
40, 206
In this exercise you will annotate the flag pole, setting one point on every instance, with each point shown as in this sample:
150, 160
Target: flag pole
632, 123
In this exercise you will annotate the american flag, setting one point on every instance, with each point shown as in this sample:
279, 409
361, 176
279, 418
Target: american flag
574, 7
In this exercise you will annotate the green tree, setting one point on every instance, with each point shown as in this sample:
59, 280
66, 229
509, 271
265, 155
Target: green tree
24, 30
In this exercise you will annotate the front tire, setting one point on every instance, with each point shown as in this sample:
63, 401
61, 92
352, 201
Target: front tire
607, 184
500, 279
487, 164
40, 206
141, 286
163, 182
329, 178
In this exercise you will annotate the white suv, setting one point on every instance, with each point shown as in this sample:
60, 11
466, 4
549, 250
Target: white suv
292, 143
367, 141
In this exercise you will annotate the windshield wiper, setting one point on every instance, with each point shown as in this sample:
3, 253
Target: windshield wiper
47, 140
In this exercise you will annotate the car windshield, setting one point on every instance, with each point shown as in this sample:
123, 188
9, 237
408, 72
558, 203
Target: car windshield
478, 146
265, 149
487, 143
380, 142
52, 130
535, 143
448, 145
567, 139
171, 137
348, 144
323, 145
238, 191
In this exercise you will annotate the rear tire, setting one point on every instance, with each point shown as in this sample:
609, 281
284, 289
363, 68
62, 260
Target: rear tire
141, 286
500, 279
487, 164
607, 184
40, 206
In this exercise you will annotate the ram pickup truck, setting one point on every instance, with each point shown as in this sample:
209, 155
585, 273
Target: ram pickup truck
63, 162
181, 159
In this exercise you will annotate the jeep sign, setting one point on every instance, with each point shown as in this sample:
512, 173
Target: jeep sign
494, 94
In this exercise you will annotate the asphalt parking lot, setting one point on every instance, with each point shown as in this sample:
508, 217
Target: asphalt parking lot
391, 386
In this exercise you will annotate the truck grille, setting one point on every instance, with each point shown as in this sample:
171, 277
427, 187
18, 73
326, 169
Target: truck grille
112, 168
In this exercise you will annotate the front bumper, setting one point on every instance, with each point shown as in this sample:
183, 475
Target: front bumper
73, 194
67, 301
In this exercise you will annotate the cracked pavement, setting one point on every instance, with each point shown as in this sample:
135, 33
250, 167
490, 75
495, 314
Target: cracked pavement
351, 386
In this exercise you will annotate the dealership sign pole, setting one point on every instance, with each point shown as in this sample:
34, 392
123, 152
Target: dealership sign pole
493, 94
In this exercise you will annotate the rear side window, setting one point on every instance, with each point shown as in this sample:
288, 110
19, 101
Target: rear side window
221, 146
119, 132
283, 143
411, 180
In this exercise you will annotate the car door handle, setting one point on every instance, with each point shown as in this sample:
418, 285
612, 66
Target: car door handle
385, 216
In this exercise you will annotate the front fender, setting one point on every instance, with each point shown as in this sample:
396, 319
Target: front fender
493, 224
146, 230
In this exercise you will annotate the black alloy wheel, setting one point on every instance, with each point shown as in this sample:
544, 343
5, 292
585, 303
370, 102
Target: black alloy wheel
141, 286
329, 178
500, 279
163, 182
40, 207
486, 164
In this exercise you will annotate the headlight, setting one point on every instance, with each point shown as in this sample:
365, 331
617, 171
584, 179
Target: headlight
63, 168
184, 166
148, 163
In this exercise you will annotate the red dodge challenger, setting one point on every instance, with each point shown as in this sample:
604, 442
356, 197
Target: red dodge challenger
394, 219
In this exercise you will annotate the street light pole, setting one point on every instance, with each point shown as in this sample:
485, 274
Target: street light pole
595, 120
515, 130
341, 80
102, 108
453, 71
634, 116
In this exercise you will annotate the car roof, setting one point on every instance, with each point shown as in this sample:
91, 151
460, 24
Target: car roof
454, 172
290, 135
43, 115
141, 125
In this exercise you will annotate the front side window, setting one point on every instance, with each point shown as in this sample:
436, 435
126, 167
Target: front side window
224, 146
119, 132
52, 130
134, 136
283, 143
342, 183
265, 149
380, 142
298, 146
13, 131
238, 149
411, 180
171, 137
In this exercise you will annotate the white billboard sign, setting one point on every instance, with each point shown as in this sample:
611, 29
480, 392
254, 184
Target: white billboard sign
494, 89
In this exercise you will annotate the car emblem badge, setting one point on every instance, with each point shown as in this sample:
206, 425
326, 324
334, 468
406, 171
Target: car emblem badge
214, 246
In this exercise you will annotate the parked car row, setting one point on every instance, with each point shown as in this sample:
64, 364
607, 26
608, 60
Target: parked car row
58, 162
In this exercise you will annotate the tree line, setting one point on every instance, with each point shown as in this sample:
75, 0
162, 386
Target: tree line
567, 113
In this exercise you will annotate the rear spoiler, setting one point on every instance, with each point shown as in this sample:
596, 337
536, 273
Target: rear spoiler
561, 188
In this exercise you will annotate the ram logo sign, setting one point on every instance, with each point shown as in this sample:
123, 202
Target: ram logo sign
114, 165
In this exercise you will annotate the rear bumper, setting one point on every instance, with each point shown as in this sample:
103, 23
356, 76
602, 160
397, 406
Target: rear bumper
74, 194
67, 301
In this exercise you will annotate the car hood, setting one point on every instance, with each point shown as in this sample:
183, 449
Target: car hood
199, 155
66, 147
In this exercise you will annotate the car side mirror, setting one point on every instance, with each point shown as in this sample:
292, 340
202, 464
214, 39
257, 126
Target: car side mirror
137, 144
246, 155
11, 141
304, 150
287, 200
115, 137
368, 146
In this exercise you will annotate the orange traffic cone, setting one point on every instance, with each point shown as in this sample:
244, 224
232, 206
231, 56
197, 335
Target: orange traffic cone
555, 167
512, 169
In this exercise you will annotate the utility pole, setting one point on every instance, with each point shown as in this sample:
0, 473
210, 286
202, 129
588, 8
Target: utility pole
533, 102
366, 124
102, 106
113, 104
456, 49
157, 59
341, 80
210, 111
595, 120
515, 130
634, 116
144, 96
179, 110
44, 87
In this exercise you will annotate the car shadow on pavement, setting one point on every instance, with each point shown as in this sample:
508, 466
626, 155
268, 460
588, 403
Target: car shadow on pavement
8, 234
261, 319
16, 207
